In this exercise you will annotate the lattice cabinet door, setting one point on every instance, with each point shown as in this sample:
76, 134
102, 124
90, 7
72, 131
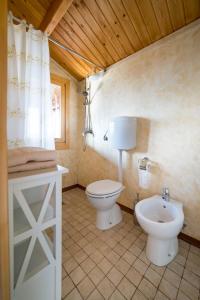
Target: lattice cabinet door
35, 235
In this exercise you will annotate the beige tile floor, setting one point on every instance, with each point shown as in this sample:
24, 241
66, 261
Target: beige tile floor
112, 264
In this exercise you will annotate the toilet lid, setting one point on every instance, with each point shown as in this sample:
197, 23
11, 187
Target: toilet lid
104, 187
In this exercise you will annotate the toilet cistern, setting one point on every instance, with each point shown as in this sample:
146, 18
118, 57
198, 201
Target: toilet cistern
165, 194
122, 135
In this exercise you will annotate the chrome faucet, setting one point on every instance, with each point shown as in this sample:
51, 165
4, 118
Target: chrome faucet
165, 194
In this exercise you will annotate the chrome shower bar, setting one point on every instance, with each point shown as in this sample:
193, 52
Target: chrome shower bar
65, 47
75, 53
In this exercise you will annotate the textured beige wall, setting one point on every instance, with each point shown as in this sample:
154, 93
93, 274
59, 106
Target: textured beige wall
161, 86
68, 158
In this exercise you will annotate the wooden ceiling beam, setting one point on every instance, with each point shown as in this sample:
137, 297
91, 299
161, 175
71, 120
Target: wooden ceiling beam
54, 14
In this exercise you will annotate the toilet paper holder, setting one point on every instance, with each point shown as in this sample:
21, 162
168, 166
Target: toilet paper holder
144, 163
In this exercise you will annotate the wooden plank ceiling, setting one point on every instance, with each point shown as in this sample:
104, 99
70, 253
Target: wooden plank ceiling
104, 31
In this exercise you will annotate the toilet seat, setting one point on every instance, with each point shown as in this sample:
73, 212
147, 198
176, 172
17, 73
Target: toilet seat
104, 188
104, 195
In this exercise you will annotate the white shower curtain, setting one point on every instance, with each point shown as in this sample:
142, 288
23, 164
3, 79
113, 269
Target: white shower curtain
29, 100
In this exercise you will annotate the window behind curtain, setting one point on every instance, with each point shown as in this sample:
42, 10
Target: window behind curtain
59, 98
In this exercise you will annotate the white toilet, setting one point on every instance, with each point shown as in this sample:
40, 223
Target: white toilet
162, 221
103, 195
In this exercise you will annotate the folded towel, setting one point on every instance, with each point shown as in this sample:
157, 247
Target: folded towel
24, 155
32, 166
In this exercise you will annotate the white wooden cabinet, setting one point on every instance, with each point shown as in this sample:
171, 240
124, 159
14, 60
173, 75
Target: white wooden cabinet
35, 220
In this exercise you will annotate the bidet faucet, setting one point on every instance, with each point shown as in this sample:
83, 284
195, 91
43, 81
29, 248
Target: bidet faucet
165, 194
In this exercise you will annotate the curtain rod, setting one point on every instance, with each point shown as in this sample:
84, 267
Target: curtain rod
64, 47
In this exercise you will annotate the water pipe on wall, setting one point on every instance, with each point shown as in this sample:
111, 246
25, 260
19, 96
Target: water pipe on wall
120, 170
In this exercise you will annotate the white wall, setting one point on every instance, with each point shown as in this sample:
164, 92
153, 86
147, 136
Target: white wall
161, 86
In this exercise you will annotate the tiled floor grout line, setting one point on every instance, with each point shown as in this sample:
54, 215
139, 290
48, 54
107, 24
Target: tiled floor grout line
105, 275
183, 272
123, 230
84, 272
108, 271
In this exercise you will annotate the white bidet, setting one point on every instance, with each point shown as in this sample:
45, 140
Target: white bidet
162, 221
